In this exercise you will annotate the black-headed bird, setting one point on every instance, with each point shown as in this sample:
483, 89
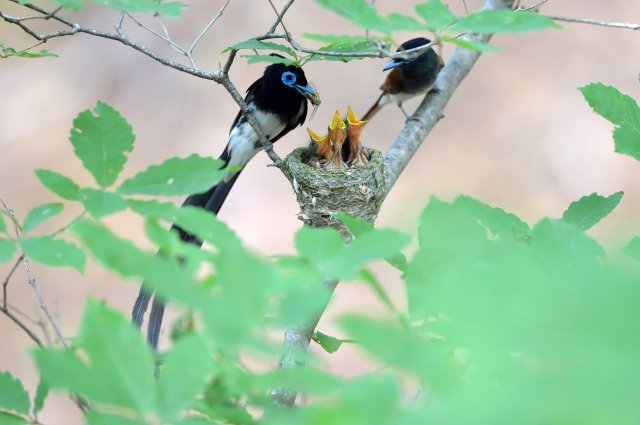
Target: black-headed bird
278, 101
408, 77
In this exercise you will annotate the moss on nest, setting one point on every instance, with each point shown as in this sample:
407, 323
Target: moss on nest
322, 193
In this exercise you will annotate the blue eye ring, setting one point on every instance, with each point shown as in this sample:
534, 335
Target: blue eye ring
288, 78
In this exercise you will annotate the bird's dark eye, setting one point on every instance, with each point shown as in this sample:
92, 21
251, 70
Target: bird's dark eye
288, 78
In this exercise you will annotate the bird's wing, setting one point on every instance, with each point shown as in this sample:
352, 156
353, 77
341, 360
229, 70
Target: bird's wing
247, 99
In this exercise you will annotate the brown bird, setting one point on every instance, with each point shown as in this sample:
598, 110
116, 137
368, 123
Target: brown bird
408, 77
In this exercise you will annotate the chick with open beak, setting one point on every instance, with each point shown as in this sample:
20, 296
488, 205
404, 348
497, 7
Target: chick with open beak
354, 128
337, 136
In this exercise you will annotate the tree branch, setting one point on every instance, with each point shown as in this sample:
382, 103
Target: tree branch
595, 22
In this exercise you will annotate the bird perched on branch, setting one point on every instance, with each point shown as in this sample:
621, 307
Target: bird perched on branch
408, 77
278, 101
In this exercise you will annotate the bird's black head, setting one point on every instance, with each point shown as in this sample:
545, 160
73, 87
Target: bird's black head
288, 83
408, 45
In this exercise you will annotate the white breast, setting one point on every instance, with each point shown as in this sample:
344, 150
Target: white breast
243, 138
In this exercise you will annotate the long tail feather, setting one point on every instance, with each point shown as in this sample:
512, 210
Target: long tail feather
218, 194
374, 108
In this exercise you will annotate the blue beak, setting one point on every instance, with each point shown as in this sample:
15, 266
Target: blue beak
308, 93
304, 90
393, 64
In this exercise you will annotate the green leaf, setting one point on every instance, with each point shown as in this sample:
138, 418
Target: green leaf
368, 277
473, 45
118, 369
633, 248
40, 214
41, 395
176, 176
3, 226
330, 38
53, 252
6, 52
253, 44
619, 109
100, 203
7, 249
154, 209
100, 139
170, 9
328, 343
589, 210
325, 249
62, 186
97, 418
127, 260
357, 226
13, 396
10, 419
502, 21
253, 59
359, 12
398, 22
437, 14
184, 375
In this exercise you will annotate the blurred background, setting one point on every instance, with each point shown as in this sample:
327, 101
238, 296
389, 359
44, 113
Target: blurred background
517, 134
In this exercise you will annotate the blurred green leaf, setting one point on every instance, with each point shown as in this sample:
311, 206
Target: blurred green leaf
183, 376
13, 395
62, 186
3, 226
253, 44
170, 9
589, 210
325, 249
328, 343
622, 111
41, 213
437, 14
100, 139
6, 52
473, 45
398, 22
7, 249
253, 59
331, 38
100, 203
359, 12
116, 366
632, 249
153, 209
10, 419
53, 252
42, 391
176, 176
97, 418
502, 21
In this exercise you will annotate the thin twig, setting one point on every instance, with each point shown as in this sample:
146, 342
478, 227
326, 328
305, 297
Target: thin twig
534, 7
204, 31
166, 38
595, 22
5, 285
34, 284
280, 15
22, 326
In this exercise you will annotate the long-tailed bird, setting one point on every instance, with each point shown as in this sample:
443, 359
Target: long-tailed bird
278, 101
408, 77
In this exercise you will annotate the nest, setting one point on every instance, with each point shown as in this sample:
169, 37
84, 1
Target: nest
323, 193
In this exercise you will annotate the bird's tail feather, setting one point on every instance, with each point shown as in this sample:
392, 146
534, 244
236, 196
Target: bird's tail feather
374, 108
212, 200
